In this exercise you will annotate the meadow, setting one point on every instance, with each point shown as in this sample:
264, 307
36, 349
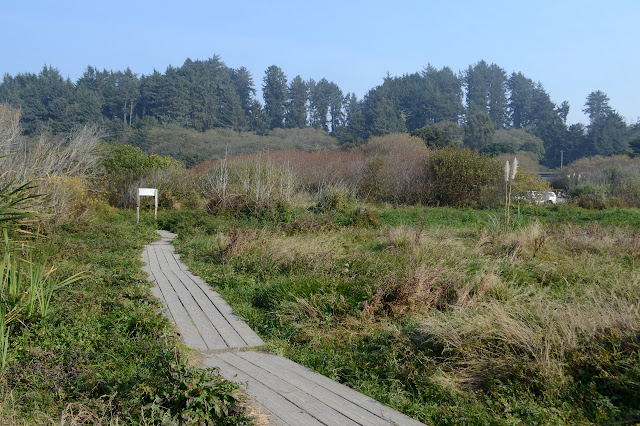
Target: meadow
442, 313
394, 268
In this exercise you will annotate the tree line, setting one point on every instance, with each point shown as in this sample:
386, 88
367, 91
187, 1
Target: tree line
482, 107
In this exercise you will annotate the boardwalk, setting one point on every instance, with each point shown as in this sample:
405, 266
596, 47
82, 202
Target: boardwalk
288, 393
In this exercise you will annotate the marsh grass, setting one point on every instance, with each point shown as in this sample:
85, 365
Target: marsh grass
443, 315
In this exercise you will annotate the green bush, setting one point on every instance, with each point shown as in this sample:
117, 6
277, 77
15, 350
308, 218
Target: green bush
462, 177
124, 166
590, 195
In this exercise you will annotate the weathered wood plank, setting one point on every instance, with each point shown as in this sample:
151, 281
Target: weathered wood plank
379, 409
187, 329
283, 411
228, 333
210, 335
309, 403
337, 402
249, 337
241, 327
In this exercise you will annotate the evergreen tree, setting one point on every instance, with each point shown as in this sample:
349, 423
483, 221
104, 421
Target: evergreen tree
597, 106
336, 100
446, 100
607, 131
521, 90
319, 100
296, 114
478, 132
476, 80
381, 114
497, 85
353, 133
243, 82
274, 92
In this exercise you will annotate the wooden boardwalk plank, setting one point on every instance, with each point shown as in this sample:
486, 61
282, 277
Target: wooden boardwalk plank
390, 415
226, 331
240, 327
210, 335
187, 329
182, 292
309, 403
353, 411
282, 411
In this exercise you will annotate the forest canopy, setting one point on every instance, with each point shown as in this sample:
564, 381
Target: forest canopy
483, 107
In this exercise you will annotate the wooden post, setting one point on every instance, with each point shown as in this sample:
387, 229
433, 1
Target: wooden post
138, 208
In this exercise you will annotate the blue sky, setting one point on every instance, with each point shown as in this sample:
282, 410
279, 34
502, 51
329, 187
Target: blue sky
571, 47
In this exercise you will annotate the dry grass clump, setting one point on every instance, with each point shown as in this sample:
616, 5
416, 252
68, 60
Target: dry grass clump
436, 272
595, 238
525, 242
319, 252
492, 328
522, 338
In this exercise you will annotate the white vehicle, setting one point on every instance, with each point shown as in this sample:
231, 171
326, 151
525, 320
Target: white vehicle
540, 197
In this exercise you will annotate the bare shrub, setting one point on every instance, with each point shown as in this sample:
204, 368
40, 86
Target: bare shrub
62, 170
397, 142
254, 184
10, 130
397, 170
78, 154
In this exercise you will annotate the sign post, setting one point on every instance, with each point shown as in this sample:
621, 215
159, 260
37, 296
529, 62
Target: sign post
147, 192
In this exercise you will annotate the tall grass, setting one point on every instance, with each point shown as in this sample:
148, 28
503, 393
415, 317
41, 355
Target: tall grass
534, 323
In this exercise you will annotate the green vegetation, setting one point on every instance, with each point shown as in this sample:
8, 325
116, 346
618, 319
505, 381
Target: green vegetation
442, 313
82, 340
405, 267
100, 351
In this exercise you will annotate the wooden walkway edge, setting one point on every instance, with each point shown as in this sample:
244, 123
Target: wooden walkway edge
288, 393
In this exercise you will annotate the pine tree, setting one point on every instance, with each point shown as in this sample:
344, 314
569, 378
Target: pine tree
274, 92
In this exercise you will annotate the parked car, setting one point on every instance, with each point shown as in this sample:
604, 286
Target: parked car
539, 197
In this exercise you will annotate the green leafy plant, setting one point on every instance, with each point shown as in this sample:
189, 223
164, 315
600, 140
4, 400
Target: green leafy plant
192, 395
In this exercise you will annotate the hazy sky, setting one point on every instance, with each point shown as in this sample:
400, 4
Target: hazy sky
571, 47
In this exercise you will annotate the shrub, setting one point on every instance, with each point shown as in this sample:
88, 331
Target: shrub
177, 188
600, 182
396, 171
462, 177
397, 142
336, 198
125, 166
257, 187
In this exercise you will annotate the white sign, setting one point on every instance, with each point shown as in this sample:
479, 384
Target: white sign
147, 192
